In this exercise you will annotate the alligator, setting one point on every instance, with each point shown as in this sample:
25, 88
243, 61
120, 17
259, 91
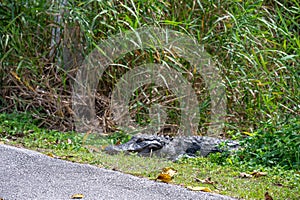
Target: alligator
173, 148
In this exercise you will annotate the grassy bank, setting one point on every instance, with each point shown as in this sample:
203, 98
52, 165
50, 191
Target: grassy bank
255, 46
229, 176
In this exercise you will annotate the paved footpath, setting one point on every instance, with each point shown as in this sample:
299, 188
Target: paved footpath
26, 174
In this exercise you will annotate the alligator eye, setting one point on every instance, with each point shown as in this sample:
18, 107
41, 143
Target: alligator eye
140, 140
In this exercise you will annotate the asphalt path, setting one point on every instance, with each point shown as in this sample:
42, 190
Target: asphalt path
26, 174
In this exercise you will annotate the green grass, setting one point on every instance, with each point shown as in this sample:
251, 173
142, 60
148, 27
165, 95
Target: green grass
254, 44
21, 130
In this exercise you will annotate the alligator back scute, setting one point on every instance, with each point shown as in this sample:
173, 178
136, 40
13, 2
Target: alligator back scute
172, 147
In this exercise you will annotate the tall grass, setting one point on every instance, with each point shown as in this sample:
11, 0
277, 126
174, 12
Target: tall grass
255, 45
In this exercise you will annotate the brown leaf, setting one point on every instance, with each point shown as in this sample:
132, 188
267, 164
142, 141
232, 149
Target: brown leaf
77, 196
258, 174
203, 189
118, 142
206, 181
267, 196
245, 175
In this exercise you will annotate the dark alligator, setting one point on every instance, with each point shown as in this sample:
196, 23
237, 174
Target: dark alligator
173, 147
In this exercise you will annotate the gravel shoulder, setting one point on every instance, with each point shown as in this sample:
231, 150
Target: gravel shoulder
26, 174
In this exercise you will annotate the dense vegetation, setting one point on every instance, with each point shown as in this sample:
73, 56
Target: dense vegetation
254, 44
22, 130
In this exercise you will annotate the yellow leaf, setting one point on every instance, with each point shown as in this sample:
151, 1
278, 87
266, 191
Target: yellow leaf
77, 196
166, 175
50, 154
166, 178
247, 133
15, 75
203, 189
170, 171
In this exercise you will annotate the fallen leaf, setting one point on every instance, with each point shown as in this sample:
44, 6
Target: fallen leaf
118, 142
167, 174
245, 175
169, 170
203, 189
77, 196
267, 196
166, 178
50, 155
258, 174
69, 141
206, 181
